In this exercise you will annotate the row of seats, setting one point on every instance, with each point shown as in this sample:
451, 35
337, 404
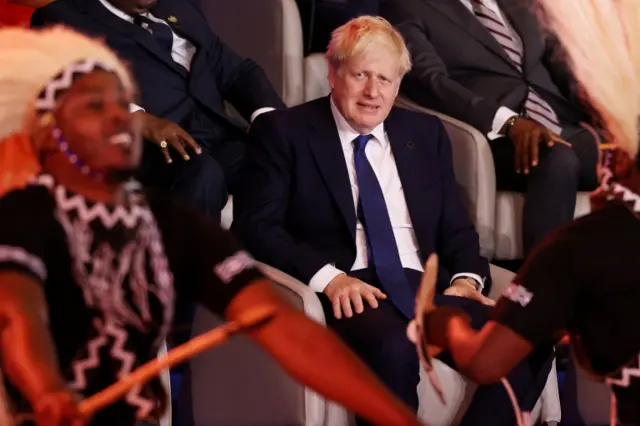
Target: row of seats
242, 372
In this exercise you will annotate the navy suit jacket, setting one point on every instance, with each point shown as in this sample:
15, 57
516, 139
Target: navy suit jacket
296, 212
167, 89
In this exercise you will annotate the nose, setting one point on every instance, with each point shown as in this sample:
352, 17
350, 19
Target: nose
119, 117
371, 88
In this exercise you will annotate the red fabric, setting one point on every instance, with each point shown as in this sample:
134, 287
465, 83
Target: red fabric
14, 15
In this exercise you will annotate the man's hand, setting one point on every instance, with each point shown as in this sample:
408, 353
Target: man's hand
526, 135
343, 291
166, 134
58, 409
462, 287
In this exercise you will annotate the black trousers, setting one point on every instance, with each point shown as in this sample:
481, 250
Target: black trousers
379, 337
550, 188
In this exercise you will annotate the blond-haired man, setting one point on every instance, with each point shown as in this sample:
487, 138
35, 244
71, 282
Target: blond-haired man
350, 195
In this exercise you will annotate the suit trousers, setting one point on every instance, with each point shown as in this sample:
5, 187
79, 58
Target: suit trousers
550, 188
379, 337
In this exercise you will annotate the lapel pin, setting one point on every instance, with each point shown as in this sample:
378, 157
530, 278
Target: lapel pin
172, 19
411, 144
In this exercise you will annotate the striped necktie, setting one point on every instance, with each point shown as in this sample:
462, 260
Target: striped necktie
535, 107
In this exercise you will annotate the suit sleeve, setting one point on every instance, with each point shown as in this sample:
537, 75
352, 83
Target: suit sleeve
260, 205
240, 81
458, 241
428, 83
559, 71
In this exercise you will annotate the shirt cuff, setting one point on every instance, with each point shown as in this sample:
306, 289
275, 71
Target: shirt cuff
323, 277
133, 108
502, 116
477, 278
260, 111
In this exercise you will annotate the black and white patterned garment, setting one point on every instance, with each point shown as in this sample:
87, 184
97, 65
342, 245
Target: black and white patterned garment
112, 275
585, 279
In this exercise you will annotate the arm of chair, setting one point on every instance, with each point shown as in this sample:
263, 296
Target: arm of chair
475, 173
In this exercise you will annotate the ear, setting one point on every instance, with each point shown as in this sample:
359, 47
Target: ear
331, 77
42, 135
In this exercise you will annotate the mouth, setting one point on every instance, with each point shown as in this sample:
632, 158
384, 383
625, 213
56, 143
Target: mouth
368, 107
122, 139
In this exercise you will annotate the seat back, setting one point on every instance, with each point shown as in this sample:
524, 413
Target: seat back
267, 31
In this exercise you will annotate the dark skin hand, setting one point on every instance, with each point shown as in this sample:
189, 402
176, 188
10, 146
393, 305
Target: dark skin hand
167, 134
527, 135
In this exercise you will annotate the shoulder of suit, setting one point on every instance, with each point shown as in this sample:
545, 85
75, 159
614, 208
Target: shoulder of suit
302, 113
417, 116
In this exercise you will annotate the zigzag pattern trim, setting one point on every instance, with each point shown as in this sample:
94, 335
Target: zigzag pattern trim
100, 211
64, 80
128, 359
626, 373
90, 362
630, 198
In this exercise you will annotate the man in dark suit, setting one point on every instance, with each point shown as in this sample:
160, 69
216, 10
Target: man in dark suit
184, 72
350, 195
486, 62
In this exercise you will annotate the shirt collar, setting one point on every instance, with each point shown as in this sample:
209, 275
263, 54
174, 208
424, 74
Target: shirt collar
347, 134
120, 14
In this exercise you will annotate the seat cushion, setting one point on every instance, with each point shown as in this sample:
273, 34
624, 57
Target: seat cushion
508, 230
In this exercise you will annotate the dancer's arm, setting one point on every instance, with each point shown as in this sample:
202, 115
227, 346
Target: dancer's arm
316, 357
223, 277
536, 308
28, 352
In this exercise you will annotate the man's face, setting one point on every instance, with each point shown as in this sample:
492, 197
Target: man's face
134, 7
365, 87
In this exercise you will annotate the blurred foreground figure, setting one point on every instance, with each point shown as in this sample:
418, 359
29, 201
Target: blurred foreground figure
583, 279
91, 266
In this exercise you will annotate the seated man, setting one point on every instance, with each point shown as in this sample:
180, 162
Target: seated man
184, 72
491, 66
350, 195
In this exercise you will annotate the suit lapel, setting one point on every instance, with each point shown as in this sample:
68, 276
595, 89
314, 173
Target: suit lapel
522, 19
411, 169
327, 151
459, 15
97, 11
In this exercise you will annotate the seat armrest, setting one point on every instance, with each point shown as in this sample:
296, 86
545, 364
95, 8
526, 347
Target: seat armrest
310, 302
475, 173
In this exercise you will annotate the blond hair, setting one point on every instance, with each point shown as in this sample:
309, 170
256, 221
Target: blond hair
360, 34
31, 58
602, 44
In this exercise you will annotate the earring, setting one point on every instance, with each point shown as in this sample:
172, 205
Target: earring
47, 119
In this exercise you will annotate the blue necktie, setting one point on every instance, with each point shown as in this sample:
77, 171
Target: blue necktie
381, 243
161, 32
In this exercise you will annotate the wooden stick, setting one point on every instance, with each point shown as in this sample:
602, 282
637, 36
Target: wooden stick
175, 356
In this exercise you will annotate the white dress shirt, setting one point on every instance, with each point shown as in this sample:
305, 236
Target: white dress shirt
504, 113
379, 154
182, 50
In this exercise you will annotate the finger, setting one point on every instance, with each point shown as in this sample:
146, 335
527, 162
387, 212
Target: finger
378, 293
427, 290
534, 149
176, 143
356, 300
165, 152
525, 150
558, 139
190, 142
337, 308
345, 303
370, 297
518, 156
548, 137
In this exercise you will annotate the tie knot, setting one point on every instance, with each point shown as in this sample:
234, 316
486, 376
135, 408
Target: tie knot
360, 142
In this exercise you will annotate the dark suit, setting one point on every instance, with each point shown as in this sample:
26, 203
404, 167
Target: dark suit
193, 99
320, 17
297, 214
461, 70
